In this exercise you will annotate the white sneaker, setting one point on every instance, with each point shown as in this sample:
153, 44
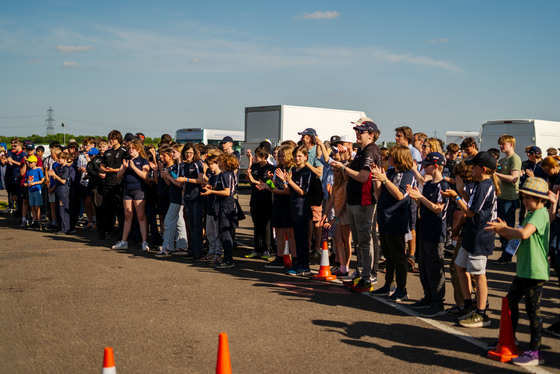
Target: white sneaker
120, 245
145, 246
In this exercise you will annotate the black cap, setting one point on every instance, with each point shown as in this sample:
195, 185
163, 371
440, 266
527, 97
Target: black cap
335, 139
485, 159
535, 150
140, 136
30, 146
367, 126
129, 137
308, 131
434, 158
226, 139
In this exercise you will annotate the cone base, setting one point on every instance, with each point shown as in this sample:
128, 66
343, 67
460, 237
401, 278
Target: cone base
324, 278
504, 356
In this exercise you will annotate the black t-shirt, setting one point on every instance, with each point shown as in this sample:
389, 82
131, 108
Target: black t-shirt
226, 179
132, 181
483, 203
301, 211
362, 193
261, 198
93, 169
175, 193
112, 158
433, 226
392, 214
191, 170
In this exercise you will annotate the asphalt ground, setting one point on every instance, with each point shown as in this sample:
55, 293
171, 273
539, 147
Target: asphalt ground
64, 298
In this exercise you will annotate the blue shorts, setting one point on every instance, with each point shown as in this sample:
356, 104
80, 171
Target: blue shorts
35, 198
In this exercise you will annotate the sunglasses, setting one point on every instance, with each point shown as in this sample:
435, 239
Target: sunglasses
360, 131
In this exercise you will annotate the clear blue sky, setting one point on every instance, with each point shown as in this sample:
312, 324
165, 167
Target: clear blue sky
157, 66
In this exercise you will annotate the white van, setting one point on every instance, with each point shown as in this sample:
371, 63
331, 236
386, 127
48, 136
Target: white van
544, 134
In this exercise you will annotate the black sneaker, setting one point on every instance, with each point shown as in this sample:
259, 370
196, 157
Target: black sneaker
421, 304
275, 265
433, 311
399, 295
502, 261
383, 291
224, 265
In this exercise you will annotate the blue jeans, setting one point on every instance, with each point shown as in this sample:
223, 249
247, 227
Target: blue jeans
194, 220
506, 211
174, 226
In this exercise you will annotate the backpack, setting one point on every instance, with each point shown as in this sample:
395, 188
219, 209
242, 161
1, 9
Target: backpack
315, 194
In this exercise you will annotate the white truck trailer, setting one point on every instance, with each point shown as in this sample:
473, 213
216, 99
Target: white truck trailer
544, 134
283, 122
209, 136
457, 137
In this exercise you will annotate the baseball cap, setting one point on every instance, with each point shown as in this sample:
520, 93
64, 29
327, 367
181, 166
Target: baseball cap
140, 136
483, 159
367, 126
362, 120
226, 139
32, 158
30, 146
335, 139
93, 152
129, 137
535, 150
535, 187
434, 158
345, 139
308, 131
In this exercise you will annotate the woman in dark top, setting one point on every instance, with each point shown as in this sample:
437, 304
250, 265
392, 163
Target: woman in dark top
192, 179
134, 172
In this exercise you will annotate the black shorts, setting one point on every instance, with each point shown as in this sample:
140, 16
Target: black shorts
133, 195
281, 214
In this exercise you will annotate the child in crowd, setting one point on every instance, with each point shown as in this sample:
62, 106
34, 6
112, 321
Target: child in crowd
281, 210
393, 207
431, 235
62, 178
229, 213
298, 179
33, 181
165, 162
260, 204
175, 232
342, 235
532, 263
215, 249
477, 244
134, 172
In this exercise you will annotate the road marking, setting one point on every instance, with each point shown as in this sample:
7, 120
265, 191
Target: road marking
449, 330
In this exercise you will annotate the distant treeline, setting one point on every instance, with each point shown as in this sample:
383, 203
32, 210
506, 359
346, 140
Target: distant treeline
38, 139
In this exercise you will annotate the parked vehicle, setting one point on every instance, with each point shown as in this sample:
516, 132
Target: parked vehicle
282, 122
544, 134
209, 136
458, 136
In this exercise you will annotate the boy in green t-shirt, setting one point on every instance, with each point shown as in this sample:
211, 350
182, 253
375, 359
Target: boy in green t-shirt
532, 264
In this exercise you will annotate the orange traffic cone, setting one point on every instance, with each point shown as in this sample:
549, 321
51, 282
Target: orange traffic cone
506, 348
223, 366
325, 268
287, 259
109, 361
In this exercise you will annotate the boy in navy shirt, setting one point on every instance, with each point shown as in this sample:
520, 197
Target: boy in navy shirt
431, 235
63, 180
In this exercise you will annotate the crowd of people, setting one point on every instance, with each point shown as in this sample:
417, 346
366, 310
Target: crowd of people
398, 209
